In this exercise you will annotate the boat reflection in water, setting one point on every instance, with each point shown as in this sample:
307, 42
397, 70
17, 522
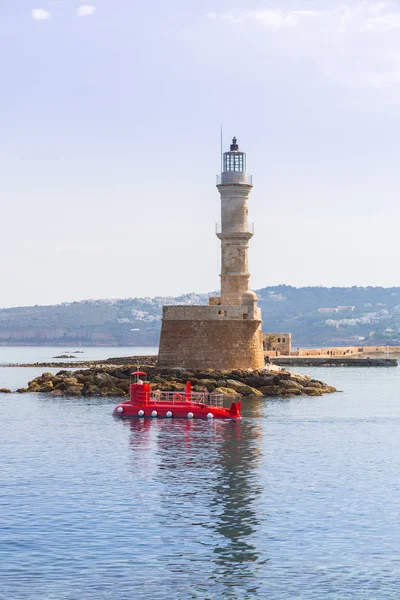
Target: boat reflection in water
205, 484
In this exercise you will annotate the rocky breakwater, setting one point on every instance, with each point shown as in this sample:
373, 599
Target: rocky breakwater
114, 382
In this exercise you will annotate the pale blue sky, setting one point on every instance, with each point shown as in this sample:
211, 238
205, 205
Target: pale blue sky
110, 114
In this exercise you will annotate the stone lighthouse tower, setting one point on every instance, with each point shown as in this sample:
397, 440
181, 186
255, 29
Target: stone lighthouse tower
234, 185
226, 334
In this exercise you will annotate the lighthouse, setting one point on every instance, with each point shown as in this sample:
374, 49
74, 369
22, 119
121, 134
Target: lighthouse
234, 186
227, 333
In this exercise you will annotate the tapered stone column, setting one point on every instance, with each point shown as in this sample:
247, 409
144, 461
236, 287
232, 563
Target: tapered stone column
234, 186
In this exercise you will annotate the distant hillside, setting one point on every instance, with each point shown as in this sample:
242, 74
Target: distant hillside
315, 316
129, 322
355, 315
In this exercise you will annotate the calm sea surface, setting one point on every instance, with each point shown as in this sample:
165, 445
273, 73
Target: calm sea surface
30, 354
301, 500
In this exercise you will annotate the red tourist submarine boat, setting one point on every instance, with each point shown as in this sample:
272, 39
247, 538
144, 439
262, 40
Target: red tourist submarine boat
144, 402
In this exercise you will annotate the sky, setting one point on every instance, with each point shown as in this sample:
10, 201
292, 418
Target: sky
110, 117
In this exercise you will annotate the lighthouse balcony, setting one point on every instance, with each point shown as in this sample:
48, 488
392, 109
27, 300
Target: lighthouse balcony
234, 178
219, 230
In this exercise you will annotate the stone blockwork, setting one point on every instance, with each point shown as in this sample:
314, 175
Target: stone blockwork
234, 236
216, 312
211, 343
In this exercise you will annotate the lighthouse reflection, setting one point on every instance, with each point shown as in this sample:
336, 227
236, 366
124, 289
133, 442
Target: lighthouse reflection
208, 476
235, 494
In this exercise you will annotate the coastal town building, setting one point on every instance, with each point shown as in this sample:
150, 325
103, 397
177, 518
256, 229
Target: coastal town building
348, 351
276, 344
226, 334
326, 311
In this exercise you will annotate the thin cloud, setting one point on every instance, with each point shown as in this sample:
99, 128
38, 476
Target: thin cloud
86, 10
358, 44
362, 16
273, 18
39, 14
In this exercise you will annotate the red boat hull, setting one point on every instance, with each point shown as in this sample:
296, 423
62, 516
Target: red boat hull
173, 405
184, 410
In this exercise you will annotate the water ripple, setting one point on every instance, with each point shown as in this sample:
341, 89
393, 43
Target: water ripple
298, 501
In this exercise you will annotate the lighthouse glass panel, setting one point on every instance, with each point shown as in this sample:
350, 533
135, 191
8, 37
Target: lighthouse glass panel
234, 161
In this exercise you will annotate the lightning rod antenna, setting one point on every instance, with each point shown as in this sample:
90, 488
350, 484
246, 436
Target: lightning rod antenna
222, 166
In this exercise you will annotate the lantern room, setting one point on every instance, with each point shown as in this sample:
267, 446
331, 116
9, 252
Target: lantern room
234, 167
234, 160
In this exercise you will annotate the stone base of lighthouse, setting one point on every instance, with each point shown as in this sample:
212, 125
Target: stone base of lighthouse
211, 337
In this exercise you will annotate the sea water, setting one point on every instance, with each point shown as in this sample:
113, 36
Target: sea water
42, 354
300, 500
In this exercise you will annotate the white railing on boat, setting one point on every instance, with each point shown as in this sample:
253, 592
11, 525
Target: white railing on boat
177, 397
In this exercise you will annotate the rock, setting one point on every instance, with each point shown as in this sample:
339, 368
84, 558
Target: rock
209, 374
312, 391
110, 380
124, 384
46, 377
258, 381
242, 388
292, 392
314, 384
200, 388
289, 384
118, 374
46, 387
328, 389
172, 386
210, 384
70, 381
23, 390
74, 390
33, 387
240, 374
101, 378
105, 382
5, 391
302, 379
270, 391
60, 386
253, 392
92, 390
225, 391
157, 380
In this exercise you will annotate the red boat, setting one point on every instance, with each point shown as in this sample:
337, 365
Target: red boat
145, 402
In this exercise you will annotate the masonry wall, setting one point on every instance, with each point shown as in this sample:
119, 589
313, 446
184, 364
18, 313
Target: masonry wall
347, 351
217, 312
211, 344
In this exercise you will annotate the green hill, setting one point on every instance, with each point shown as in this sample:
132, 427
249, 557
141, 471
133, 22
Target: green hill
315, 316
